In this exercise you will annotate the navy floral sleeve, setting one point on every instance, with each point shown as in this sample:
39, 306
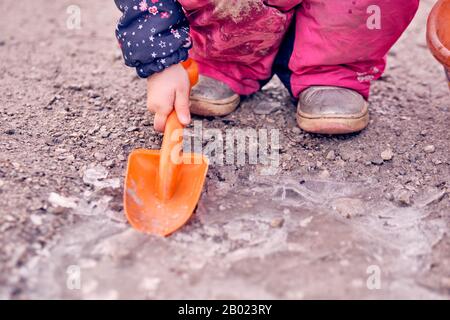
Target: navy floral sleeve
153, 34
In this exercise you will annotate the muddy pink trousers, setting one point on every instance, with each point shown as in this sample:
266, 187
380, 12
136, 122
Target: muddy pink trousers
311, 42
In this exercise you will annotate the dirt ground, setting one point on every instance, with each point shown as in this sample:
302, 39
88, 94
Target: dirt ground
333, 216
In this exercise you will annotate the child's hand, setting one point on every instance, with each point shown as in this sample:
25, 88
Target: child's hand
167, 90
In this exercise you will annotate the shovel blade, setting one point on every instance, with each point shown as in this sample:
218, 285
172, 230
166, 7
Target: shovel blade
145, 211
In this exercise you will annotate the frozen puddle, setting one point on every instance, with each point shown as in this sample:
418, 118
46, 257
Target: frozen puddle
288, 238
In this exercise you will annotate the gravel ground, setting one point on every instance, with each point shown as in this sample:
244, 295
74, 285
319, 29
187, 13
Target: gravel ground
338, 211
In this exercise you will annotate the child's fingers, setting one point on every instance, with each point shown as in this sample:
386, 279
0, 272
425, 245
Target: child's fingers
182, 106
160, 121
160, 103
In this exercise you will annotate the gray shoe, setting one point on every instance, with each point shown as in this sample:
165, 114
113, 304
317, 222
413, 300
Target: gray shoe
332, 110
210, 97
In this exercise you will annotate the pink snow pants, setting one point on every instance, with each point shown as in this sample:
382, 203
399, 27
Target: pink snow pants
305, 42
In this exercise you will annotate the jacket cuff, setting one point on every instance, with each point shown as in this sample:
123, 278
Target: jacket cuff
159, 64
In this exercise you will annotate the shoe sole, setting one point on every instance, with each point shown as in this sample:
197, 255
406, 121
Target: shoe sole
333, 125
216, 108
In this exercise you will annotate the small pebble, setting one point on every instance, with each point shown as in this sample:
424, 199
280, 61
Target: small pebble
387, 155
403, 197
389, 196
131, 129
377, 161
99, 156
277, 223
296, 130
109, 163
429, 149
348, 207
347, 156
305, 222
331, 155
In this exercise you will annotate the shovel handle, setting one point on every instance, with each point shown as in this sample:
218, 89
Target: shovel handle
171, 156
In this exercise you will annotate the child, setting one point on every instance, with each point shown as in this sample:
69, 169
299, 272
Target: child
326, 52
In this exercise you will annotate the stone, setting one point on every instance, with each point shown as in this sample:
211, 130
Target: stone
105, 134
277, 223
100, 156
296, 130
96, 176
110, 163
305, 222
132, 129
348, 207
57, 200
387, 155
429, 148
403, 197
377, 161
146, 123
331, 155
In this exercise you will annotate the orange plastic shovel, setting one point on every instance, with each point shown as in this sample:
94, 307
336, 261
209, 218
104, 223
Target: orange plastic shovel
438, 34
162, 188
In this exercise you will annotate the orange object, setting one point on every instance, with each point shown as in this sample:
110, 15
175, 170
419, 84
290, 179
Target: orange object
162, 188
438, 34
